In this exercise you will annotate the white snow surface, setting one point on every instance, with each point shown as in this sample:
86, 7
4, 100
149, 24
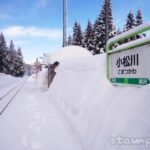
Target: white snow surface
67, 53
7, 80
81, 110
32, 122
96, 110
42, 79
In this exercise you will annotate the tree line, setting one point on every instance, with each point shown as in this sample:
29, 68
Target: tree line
11, 60
94, 36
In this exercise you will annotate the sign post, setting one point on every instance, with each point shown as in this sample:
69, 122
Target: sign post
129, 64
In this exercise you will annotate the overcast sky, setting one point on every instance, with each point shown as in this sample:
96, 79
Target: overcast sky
36, 25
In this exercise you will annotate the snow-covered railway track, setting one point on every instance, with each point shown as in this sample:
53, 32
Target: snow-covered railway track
4, 95
9, 96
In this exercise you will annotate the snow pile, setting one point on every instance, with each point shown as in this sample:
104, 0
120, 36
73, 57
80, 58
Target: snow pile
42, 78
97, 112
66, 53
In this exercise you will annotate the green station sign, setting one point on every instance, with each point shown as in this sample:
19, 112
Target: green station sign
129, 64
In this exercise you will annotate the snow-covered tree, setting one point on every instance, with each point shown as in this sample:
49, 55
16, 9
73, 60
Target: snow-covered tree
18, 65
111, 27
11, 61
69, 42
99, 35
100, 28
139, 21
3, 52
88, 37
20, 53
15, 61
75, 31
95, 40
77, 35
11, 47
9, 56
130, 22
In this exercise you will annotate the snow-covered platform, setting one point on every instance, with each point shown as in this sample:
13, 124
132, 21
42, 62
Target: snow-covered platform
31, 122
81, 110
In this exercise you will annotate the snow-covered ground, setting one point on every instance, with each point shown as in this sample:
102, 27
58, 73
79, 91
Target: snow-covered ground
8, 83
97, 111
81, 110
7, 80
31, 122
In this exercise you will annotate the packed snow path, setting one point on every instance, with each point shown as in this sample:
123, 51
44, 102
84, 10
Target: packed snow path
31, 122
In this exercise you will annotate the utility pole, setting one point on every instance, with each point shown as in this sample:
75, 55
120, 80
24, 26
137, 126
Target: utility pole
106, 21
64, 22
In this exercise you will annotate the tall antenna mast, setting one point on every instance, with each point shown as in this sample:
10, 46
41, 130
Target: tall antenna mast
64, 22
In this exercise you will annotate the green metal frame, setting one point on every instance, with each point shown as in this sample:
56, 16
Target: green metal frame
126, 35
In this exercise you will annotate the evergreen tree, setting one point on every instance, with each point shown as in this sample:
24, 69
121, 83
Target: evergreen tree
11, 61
75, 31
9, 65
20, 53
100, 28
111, 27
88, 37
130, 22
18, 70
139, 21
3, 52
77, 35
69, 40
95, 40
19, 63
14, 61
99, 35
11, 47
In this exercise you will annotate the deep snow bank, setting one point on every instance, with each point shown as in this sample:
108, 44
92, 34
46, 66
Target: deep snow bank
42, 76
67, 53
97, 111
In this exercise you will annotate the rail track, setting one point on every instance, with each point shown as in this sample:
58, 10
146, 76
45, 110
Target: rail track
9, 96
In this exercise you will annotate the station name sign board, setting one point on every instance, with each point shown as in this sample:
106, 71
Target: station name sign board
129, 64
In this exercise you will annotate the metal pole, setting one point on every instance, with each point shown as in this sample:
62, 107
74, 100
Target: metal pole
64, 22
106, 21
